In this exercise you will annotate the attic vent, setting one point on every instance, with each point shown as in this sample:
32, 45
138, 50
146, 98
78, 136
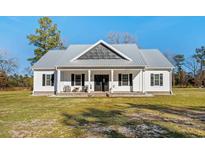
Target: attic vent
101, 52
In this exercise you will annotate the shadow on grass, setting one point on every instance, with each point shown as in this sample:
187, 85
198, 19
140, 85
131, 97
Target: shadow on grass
95, 122
114, 123
191, 112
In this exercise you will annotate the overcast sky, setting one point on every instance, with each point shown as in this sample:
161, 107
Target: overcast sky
169, 34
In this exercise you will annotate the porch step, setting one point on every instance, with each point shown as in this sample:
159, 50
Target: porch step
99, 94
129, 94
73, 94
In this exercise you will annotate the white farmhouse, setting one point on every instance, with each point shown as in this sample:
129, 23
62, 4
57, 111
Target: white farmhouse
110, 69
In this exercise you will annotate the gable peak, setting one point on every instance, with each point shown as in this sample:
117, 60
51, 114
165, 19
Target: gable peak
116, 54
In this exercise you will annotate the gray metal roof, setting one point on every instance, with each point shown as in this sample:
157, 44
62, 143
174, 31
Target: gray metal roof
155, 59
49, 60
151, 58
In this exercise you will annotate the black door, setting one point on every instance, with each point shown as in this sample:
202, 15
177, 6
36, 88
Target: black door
101, 82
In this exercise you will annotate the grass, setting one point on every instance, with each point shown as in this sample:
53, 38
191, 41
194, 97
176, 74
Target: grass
180, 115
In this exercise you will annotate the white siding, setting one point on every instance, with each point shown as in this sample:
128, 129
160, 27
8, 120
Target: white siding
136, 81
68, 78
166, 81
37, 86
141, 80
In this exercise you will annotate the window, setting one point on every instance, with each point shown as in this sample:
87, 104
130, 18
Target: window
125, 79
77, 80
48, 80
156, 80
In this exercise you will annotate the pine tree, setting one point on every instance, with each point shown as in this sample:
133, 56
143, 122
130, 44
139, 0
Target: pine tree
200, 57
46, 37
179, 62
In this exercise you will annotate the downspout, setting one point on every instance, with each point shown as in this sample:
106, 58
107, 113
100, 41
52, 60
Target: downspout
143, 80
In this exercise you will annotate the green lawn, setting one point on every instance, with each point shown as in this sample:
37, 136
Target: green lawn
181, 115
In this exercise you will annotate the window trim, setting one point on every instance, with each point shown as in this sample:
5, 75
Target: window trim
158, 80
120, 80
47, 81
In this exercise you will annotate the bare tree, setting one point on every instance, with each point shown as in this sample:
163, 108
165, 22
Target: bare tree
7, 65
3, 80
192, 65
128, 38
28, 71
113, 37
120, 37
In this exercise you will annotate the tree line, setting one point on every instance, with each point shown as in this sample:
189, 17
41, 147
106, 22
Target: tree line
190, 71
187, 72
8, 76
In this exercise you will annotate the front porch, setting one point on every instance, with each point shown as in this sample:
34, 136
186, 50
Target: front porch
99, 82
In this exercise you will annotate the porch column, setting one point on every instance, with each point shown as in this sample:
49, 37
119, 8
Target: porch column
58, 81
143, 83
89, 81
111, 90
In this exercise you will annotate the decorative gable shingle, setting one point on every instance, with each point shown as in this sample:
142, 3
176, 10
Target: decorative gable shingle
101, 52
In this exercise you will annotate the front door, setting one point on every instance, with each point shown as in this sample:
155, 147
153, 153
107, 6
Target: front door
101, 82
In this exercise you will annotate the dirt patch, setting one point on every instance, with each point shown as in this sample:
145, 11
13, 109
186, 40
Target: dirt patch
129, 130
32, 128
146, 130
